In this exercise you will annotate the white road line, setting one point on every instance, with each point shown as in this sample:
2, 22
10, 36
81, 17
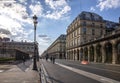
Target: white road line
90, 75
44, 75
27, 69
1, 70
98, 68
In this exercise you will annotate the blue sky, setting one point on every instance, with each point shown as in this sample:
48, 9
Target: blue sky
54, 16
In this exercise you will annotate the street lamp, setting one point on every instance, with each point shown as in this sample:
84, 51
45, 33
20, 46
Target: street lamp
34, 57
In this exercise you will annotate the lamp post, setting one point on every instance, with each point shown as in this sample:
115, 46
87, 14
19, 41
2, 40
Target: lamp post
34, 57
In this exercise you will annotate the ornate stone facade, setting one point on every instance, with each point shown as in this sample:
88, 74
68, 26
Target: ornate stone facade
57, 48
87, 39
26, 47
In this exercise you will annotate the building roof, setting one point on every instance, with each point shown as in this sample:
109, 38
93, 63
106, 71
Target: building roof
90, 16
110, 24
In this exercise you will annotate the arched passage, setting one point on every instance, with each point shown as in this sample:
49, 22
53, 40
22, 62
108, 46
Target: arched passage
108, 49
78, 54
81, 54
75, 57
118, 53
86, 53
98, 53
91, 53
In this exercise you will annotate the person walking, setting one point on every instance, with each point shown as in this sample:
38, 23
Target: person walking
53, 60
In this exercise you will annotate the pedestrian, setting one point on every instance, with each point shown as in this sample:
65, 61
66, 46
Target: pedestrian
53, 60
24, 61
46, 57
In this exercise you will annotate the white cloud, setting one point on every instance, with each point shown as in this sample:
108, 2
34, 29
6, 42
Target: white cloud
108, 4
55, 4
92, 9
58, 9
44, 38
13, 17
36, 9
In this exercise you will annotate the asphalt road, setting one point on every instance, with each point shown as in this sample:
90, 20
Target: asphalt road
106, 70
58, 74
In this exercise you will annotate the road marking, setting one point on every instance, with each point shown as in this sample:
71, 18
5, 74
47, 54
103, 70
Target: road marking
99, 78
44, 74
1, 71
97, 68
27, 69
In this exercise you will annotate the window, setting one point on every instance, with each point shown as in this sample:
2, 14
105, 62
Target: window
84, 39
75, 25
93, 31
101, 26
100, 18
101, 32
93, 24
84, 16
92, 17
84, 30
84, 23
76, 33
78, 40
75, 41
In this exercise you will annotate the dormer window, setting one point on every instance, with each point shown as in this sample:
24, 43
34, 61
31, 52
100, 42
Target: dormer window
92, 16
84, 16
100, 18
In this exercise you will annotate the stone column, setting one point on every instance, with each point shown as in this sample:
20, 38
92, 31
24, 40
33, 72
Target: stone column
66, 55
69, 55
79, 55
103, 54
88, 54
114, 55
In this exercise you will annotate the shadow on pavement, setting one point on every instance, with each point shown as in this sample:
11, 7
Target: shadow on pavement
24, 65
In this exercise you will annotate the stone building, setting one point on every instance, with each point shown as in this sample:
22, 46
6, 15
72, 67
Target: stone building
57, 48
26, 47
88, 39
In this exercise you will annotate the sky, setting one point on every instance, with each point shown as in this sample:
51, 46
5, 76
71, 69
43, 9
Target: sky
54, 16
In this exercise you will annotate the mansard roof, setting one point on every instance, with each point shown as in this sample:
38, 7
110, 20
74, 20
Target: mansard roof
90, 16
110, 24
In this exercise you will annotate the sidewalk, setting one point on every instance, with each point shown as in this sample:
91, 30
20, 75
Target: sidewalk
16, 75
